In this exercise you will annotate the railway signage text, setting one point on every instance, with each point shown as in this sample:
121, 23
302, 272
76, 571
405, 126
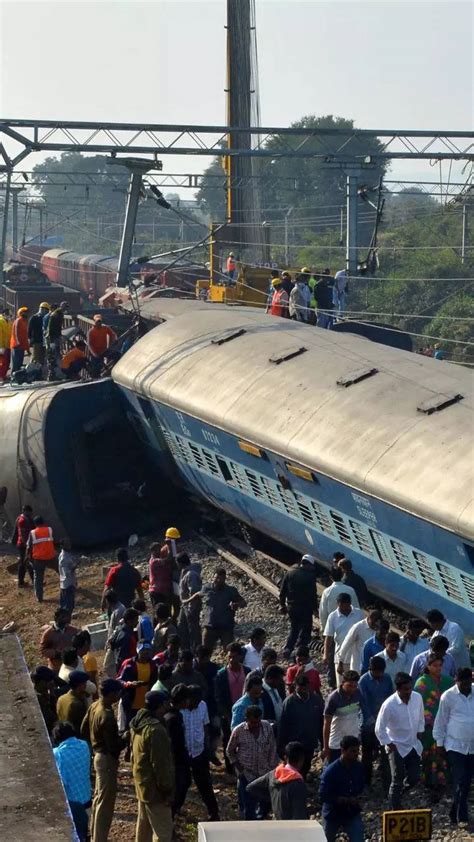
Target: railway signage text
407, 826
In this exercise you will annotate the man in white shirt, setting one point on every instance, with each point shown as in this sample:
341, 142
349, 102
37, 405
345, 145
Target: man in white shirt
453, 731
399, 726
339, 291
350, 653
336, 629
412, 644
454, 633
253, 650
330, 594
196, 733
395, 661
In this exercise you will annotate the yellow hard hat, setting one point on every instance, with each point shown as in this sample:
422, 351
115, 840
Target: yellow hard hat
22, 310
45, 306
276, 282
172, 532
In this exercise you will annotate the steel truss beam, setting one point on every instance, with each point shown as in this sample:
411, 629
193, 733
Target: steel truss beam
28, 136
211, 181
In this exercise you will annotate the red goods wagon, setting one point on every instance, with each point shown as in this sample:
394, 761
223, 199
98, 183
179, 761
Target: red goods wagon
50, 264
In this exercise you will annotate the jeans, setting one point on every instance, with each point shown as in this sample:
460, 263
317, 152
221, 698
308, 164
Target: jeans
189, 629
80, 818
67, 598
38, 579
352, 827
249, 806
324, 320
339, 301
203, 781
401, 767
210, 636
370, 748
18, 356
23, 566
462, 771
301, 626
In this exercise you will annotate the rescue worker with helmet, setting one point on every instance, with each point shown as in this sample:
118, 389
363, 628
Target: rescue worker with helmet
19, 344
280, 301
99, 340
5, 336
41, 551
169, 551
231, 266
35, 333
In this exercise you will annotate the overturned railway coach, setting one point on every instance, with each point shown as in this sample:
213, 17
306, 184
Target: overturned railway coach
324, 441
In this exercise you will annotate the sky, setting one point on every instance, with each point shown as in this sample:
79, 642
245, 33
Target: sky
394, 64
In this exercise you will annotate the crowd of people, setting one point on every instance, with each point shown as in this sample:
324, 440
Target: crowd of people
312, 297
39, 336
400, 708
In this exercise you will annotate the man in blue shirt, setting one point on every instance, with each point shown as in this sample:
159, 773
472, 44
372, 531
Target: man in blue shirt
342, 783
73, 759
375, 644
374, 688
253, 689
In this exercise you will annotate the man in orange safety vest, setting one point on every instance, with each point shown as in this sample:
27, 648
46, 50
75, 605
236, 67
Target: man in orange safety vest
41, 550
279, 305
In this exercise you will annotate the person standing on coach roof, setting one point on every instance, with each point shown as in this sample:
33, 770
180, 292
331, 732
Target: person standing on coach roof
99, 339
23, 526
41, 550
35, 333
99, 727
220, 601
298, 597
454, 734
19, 344
124, 579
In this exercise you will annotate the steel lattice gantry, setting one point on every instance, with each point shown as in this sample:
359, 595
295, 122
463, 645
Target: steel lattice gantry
351, 150
25, 136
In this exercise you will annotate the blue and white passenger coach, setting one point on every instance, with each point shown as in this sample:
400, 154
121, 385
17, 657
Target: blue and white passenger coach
324, 441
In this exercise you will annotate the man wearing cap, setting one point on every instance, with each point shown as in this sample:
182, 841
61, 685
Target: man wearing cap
280, 300
72, 706
138, 675
53, 335
99, 340
153, 770
35, 333
19, 344
99, 727
298, 597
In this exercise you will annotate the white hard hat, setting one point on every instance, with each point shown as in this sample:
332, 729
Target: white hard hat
310, 559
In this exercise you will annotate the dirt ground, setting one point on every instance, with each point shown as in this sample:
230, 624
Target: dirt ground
20, 607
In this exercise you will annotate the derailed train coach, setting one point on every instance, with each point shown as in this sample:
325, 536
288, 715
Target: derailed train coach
323, 441
71, 453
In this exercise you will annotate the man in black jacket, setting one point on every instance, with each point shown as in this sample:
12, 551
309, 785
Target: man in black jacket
53, 335
301, 720
35, 333
298, 596
285, 786
174, 723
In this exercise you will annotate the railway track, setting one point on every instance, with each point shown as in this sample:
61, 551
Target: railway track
268, 585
